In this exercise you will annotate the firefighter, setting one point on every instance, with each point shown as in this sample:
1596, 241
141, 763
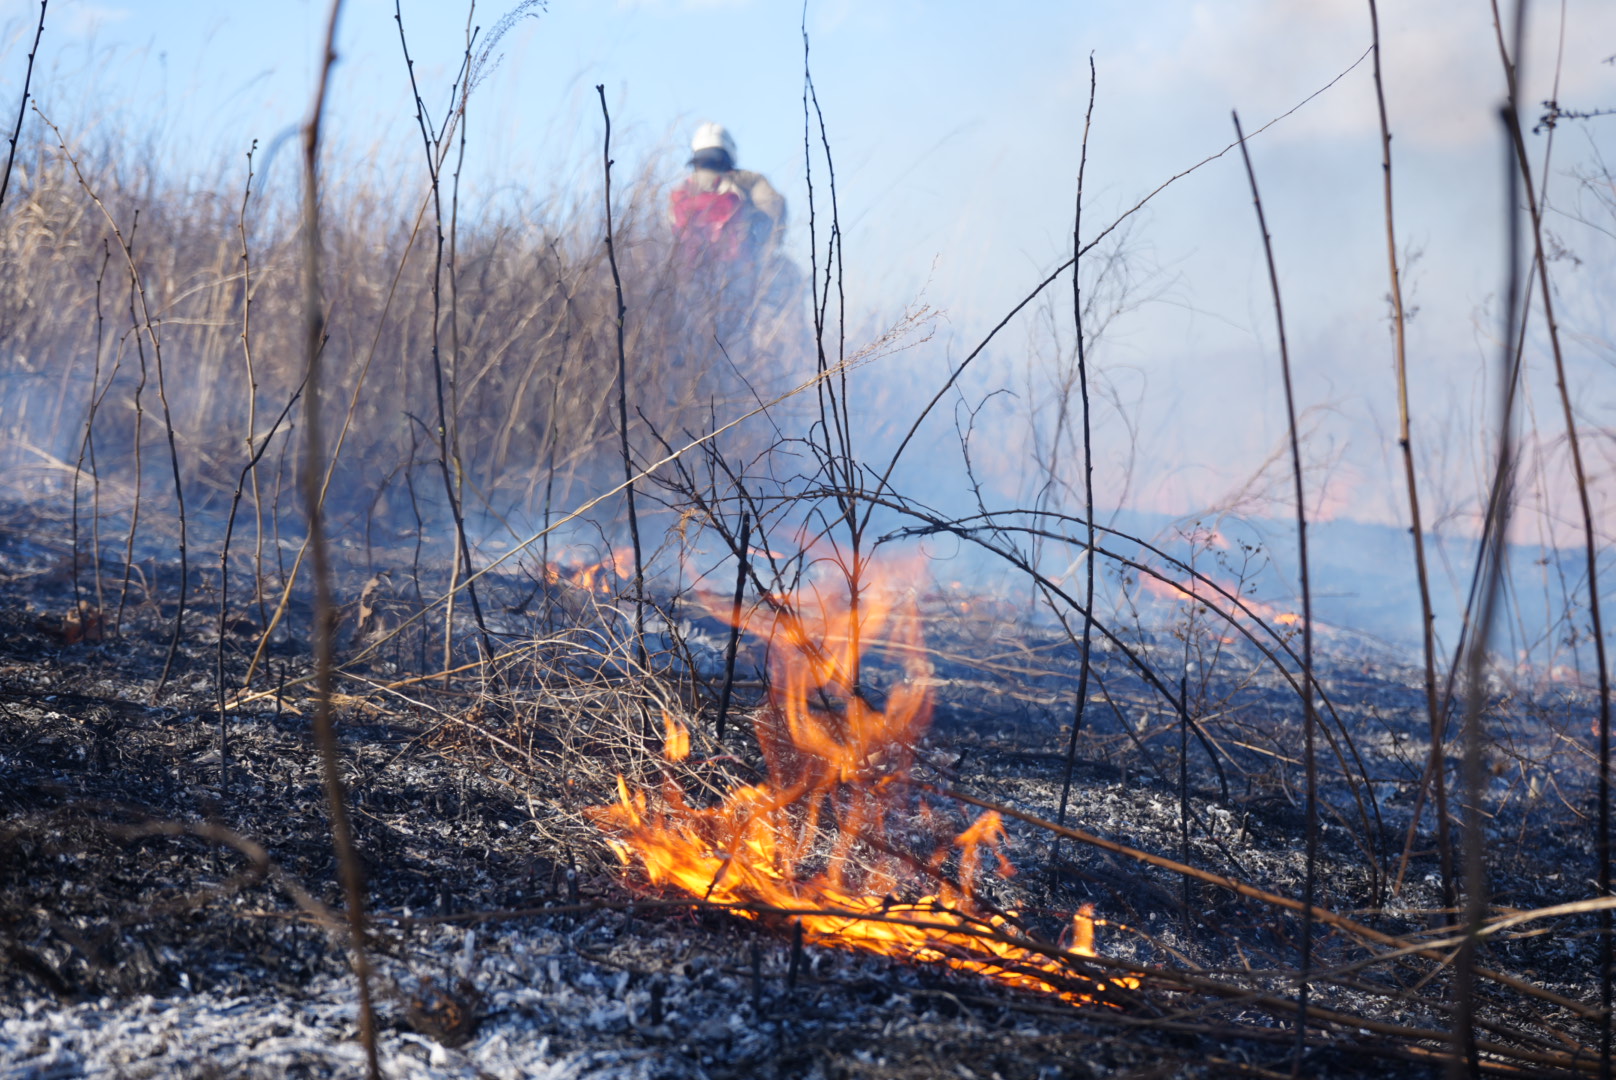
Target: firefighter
726, 217
737, 286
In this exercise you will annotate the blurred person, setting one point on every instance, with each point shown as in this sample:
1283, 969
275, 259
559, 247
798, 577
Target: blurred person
737, 285
723, 214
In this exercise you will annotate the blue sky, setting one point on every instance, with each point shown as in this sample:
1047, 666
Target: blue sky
955, 128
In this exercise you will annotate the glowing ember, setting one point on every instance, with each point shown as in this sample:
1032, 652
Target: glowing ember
822, 841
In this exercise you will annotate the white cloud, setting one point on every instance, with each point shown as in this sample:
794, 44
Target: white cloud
1440, 58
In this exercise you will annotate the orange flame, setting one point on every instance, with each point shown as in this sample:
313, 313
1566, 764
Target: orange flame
820, 840
676, 743
1202, 592
597, 577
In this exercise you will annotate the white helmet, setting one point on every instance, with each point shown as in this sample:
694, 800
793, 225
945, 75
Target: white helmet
712, 136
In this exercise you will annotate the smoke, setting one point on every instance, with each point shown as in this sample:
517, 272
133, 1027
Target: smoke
961, 218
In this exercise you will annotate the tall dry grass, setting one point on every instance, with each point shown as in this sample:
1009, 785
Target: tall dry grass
526, 336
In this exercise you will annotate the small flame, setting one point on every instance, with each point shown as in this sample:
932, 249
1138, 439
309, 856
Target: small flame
622, 563
1083, 931
821, 841
676, 743
1203, 592
600, 577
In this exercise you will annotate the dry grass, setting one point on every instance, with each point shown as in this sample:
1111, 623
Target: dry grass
526, 336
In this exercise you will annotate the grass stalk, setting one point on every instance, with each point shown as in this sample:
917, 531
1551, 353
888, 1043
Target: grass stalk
1309, 719
1495, 531
324, 608
22, 104
1602, 842
622, 387
1416, 526
1088, 474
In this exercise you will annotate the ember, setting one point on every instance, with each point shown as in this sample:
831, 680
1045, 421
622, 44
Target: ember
819, 840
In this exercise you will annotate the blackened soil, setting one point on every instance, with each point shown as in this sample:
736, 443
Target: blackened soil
118, 881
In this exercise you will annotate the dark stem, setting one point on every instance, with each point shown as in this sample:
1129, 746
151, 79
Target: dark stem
1183, 802
1464, 1060
252, 391
324, 609
432, 142
22, 105
241, 483
1405, 443
87, 447
466, 566
139, 448
1590, 547
835, 417
551, 434
179, 489
734, 624
1088, 477
1478, 573
622, 392
1309, 721
224, 585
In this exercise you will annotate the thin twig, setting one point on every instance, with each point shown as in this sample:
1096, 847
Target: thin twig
1309, 720
324, 609
87, 448
448, 450
622, 391
22, 105
1602, 842
835, 418
1405, 443
734, 625
252, 389
1495, 534
224, 586
1088, 475
235, 501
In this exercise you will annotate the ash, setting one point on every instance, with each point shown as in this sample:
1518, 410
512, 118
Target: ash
609, 997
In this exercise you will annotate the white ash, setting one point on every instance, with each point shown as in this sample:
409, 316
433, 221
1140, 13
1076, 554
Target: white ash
614, 997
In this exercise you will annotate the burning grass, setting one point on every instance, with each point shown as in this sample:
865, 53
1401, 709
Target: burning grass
862, 850
1275, 893
821, 841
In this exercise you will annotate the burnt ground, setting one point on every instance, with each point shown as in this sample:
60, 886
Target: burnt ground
133, 945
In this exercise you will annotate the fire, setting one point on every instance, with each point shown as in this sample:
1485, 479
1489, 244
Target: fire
599, 578
1200, 592
824, 840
